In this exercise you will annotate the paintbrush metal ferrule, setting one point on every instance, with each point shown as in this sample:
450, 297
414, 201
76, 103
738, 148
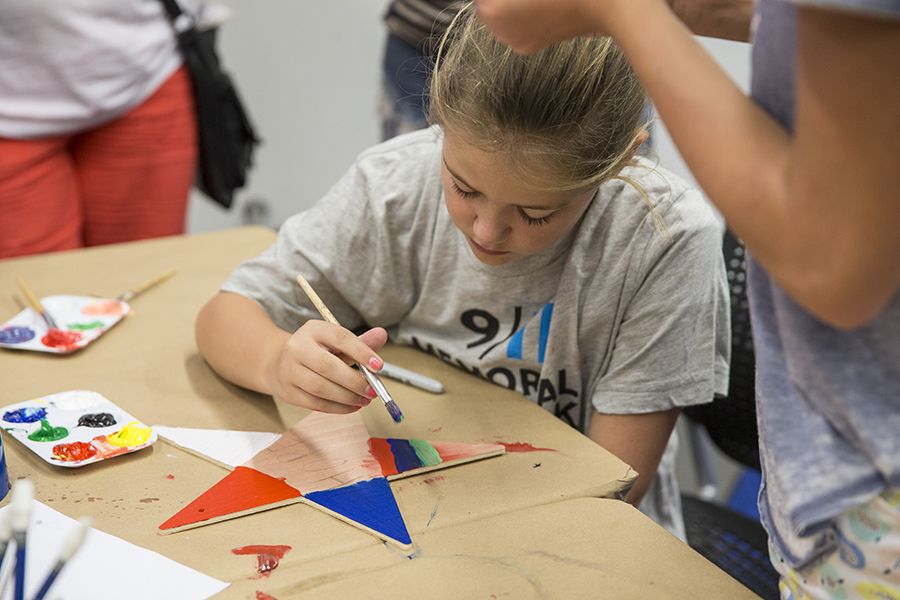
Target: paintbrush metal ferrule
377, 385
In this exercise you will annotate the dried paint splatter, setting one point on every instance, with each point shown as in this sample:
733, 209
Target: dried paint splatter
523, 447
267, 556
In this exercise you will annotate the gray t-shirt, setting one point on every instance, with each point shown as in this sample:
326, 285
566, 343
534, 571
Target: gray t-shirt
611, 316
828, 400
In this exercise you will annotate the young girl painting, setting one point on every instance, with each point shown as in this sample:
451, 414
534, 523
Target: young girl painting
520, 238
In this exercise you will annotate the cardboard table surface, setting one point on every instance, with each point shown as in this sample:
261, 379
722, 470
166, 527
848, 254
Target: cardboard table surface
148, 364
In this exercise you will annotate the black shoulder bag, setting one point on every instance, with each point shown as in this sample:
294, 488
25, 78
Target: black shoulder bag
226, 138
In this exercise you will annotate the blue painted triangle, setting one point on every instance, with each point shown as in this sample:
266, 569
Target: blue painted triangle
370, 503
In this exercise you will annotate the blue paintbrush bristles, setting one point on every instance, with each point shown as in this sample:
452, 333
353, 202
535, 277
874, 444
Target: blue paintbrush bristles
394, 411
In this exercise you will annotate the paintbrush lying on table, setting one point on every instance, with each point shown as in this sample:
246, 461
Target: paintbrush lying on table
371, 377
127, 296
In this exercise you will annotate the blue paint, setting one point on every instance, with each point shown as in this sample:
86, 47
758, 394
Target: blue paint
405, 457
29, 414
546, 313
16, 335
370, 503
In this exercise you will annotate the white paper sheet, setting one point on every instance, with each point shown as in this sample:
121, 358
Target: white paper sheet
104, 567
231, 448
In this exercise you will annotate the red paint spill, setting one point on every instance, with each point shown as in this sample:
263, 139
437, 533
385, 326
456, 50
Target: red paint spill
435, 430
74, 452
170, 477
267, 557
64, 340
523, 447
264, 596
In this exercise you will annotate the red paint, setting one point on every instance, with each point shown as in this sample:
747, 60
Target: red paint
264, 596
170, 477
456, 450
74, 452
267, 556
242, 489
523, 447
64, 340
381, 450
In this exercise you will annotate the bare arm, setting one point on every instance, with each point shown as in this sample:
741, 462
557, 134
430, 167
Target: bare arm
818, 208
725, 19
638, 440
309, 368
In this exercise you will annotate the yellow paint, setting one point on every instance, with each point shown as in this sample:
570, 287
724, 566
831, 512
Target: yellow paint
130, 435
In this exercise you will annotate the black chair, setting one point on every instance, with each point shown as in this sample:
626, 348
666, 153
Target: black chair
732, 541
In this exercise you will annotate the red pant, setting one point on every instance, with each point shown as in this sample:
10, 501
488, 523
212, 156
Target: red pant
126, 180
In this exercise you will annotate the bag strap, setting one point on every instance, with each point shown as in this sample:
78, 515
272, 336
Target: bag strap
174, 10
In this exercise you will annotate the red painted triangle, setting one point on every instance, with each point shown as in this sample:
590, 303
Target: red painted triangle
242, 490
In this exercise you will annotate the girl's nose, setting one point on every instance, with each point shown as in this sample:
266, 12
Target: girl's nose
490, 229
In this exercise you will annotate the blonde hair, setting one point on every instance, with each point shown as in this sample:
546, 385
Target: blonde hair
567, 117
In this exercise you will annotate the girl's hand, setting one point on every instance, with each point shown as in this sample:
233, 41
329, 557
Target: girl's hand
529, 25
312, 369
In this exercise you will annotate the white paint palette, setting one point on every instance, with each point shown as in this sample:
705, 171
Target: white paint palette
81, 320
75, 428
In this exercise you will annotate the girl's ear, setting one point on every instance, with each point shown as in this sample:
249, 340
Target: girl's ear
642, 137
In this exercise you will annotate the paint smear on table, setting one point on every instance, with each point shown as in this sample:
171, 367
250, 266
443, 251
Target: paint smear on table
267, 556
264, 596
523, 447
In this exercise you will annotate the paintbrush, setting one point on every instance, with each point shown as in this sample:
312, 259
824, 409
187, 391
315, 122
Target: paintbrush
371, 377
36, 304
70, 545
127, 296
5, 537
20, 518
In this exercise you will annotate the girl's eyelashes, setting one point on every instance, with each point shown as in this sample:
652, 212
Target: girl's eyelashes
529, 220
461, 191
536, 221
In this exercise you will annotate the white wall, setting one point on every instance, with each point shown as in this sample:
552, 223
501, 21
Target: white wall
309, 75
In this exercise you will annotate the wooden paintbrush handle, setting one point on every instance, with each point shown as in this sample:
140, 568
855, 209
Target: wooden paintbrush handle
323, 310
29, 295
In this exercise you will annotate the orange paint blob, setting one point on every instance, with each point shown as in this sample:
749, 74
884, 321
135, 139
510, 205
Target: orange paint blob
111, 307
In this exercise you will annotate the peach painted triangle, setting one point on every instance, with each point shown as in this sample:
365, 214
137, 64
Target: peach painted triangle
325, 452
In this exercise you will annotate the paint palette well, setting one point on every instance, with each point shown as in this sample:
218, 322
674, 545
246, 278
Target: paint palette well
75, 428
81, 320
